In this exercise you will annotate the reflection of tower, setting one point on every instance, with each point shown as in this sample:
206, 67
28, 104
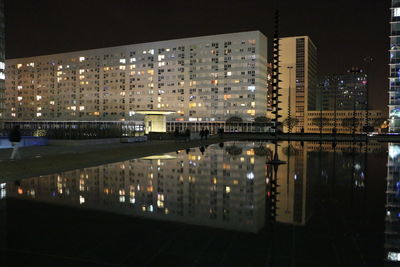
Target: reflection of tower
392, 222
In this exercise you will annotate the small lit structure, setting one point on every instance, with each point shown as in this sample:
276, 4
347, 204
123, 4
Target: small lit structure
155, 120
159, 157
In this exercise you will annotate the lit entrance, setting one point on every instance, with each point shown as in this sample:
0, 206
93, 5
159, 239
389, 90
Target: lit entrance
155, 120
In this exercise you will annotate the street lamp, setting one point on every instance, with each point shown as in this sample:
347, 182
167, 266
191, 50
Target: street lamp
289, 109
354, 71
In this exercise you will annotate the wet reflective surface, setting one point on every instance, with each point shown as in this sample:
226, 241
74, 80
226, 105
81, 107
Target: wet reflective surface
227, 204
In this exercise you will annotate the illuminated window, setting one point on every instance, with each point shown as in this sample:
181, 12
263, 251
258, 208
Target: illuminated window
122, 60
396, 12
81, 107
81, 59
160, 57
132, 67
19, 98
38, 114
51, 102
250, 175
393, 256
133, 60
229, 73
38, 97
251, 88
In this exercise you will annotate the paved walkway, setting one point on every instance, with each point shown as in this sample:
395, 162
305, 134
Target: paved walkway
50, 159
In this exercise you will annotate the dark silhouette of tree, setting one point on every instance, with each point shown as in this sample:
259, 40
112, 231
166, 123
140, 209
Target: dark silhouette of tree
290, 122
262, 119
348, 123
320, 122
234, 119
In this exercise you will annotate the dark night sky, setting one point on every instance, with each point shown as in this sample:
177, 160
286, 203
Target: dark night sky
344, 31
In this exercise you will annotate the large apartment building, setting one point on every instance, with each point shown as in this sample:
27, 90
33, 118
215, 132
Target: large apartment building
298, 68
208, 78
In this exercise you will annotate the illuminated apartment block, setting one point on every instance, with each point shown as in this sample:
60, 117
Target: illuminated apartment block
298, 68
208, 78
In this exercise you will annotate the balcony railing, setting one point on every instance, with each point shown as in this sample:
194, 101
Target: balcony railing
395, 60
396, 4
393, 33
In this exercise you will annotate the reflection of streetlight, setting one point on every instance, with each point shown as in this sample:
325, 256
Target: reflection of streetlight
368, 60
289, 110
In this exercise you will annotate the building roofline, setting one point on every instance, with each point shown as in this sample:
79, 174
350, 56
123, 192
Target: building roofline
145, 43
300, 36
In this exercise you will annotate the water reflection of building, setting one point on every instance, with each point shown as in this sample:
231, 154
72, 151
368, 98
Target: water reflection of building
392, 223
293, 190
222, 188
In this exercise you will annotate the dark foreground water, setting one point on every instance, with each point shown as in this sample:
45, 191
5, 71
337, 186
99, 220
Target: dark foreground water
221, 205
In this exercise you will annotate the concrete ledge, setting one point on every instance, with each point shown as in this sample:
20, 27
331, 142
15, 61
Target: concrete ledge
84, 142
134, 139
25, 141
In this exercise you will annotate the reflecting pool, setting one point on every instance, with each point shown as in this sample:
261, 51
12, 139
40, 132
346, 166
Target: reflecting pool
328, 204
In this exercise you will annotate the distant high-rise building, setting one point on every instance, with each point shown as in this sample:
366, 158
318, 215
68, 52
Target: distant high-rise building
209, 78
394, 84
342, 92
298, 68
2, 60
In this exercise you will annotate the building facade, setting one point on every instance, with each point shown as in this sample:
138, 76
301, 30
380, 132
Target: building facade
394, 79
208, 78
342, 92
298, 68
342, 120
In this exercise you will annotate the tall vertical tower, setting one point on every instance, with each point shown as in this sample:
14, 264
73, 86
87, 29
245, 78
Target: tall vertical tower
298, 70
2, 63
394, 78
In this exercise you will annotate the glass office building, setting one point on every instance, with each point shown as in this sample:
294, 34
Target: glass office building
2, 60
394, 86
